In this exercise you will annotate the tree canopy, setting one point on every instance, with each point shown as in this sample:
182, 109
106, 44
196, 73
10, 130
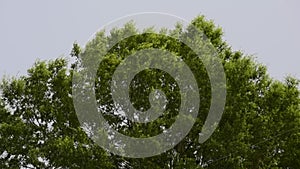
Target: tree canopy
260, 126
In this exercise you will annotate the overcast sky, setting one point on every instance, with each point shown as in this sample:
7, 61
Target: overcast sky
32, 29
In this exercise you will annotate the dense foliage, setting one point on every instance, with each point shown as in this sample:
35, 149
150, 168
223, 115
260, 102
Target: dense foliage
260, 127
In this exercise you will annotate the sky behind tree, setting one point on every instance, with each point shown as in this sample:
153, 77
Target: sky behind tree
32, 29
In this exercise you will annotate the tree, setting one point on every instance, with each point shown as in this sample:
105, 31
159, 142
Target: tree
40, 129
259, 128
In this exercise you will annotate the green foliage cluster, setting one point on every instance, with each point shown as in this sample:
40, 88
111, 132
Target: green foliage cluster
260, 127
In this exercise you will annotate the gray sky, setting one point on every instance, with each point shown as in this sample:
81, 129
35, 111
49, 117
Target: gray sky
31, 29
